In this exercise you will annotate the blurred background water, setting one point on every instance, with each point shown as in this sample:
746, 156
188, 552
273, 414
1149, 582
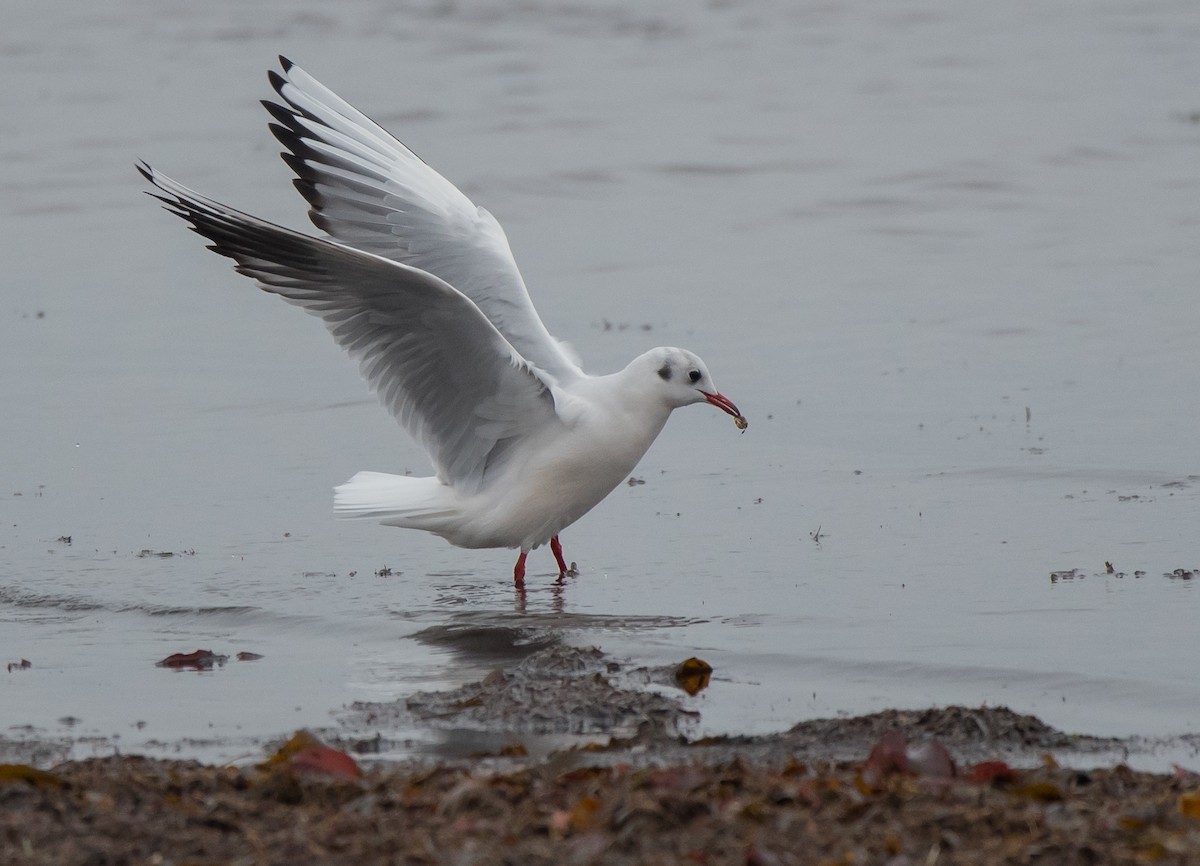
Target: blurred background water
944, 256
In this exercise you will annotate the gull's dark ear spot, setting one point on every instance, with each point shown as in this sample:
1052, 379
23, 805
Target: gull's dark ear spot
664, 372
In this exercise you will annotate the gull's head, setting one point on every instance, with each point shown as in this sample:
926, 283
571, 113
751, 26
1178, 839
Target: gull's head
680, 378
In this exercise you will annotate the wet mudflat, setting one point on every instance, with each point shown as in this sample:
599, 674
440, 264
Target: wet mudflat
954, 785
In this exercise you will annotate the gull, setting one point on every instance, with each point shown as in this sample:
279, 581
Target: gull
420, 287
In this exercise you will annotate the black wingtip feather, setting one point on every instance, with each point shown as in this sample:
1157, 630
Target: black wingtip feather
289, 139
298, 165
169, 204
285, 63
307, 189
306, 178
282, 132
281, 113
297, 145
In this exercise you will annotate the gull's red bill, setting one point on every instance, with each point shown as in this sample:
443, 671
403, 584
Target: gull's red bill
726, 405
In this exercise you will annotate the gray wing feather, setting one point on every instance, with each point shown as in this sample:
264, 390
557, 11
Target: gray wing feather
370, 192
444, 371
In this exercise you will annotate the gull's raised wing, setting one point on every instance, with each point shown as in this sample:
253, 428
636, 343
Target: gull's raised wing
370, 192
447, 374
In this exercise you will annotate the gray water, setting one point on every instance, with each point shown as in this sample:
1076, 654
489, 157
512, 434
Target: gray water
944, 257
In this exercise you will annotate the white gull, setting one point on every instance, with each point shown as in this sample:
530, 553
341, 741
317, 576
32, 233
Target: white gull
420, 287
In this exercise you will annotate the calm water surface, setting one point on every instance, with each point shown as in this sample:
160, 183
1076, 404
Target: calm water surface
945, 259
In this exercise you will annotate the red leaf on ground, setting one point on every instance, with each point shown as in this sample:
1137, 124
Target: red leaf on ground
326, 761
930, 760
991, 771
889, 755
200, 660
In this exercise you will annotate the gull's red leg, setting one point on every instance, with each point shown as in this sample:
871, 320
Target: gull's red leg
556, 548
519, 570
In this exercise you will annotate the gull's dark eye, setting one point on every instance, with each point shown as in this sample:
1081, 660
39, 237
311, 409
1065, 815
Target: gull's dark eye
694, 375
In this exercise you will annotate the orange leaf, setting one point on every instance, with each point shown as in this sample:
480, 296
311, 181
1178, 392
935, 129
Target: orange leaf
299, 741
22, 773
1044, 791
693, 675
583, 813
1189, 804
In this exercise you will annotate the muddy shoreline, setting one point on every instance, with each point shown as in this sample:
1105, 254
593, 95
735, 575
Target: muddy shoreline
573, 757
549, 700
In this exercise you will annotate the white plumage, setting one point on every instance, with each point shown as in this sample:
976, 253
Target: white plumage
420, 287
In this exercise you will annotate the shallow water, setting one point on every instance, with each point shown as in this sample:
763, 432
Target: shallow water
945, 259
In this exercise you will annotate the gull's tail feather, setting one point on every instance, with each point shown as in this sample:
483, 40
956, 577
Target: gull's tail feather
396, 500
